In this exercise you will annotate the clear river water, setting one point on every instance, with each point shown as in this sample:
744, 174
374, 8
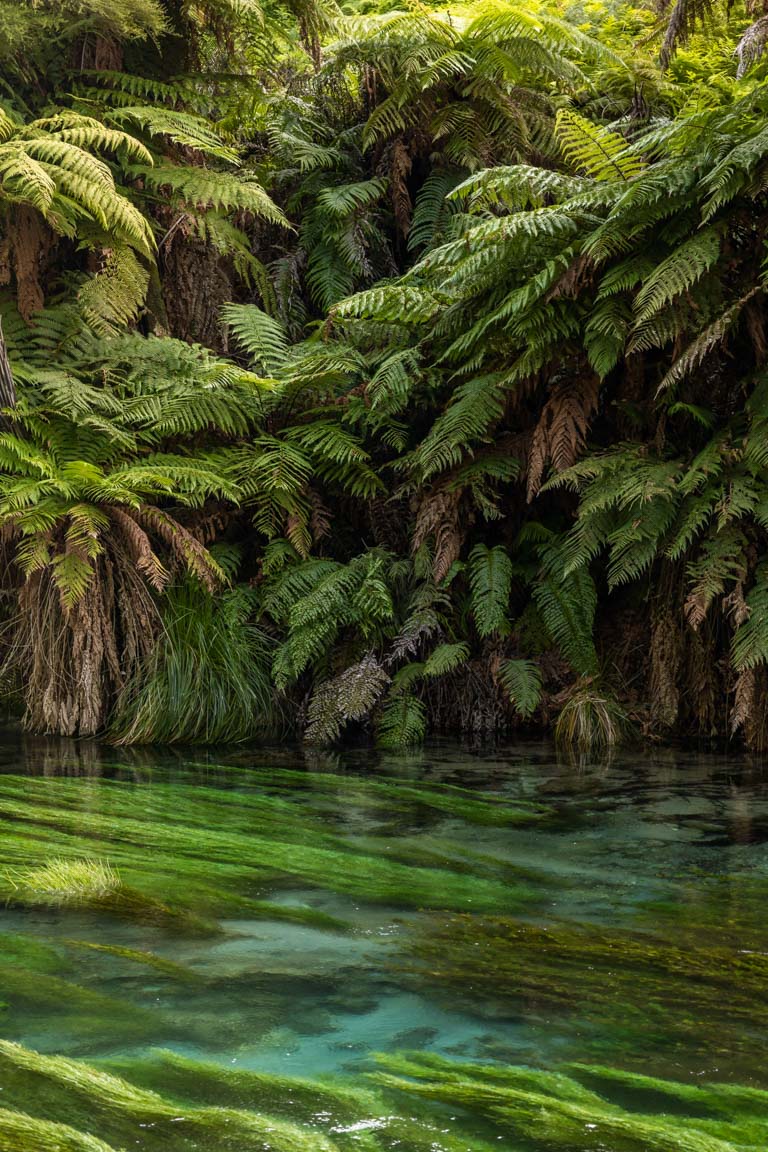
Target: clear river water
448, 951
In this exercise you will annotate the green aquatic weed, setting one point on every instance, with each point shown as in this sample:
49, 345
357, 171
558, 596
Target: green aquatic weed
620, 985
556, 1112
21, 1133
63, 879
111, 1109
135, 956
184, 838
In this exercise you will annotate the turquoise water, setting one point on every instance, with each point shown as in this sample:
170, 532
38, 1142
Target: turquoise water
295, 915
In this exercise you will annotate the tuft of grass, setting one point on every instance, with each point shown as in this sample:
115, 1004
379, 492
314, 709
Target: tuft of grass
208, 678
591, 722
66, 880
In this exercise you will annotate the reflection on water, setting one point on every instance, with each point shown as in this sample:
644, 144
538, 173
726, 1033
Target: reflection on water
273, 914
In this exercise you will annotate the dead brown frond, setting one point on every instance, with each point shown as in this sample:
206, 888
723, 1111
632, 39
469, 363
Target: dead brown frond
577, 276
560, 435
139, 548
438, 518
399, 170
187, 550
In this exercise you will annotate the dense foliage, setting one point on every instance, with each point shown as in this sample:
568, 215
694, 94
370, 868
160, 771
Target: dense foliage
384, 371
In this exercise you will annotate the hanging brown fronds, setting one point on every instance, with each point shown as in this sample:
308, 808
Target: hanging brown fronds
139, 547
189, 553
399, 170
685, 17
577, 276
560, 435
438, 520
75, 660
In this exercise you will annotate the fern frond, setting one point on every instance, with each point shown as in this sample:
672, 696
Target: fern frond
521, 680
403, 722
598, 151
490, 581
677, 273
567, 607
182, 128
203, 188
445, 658
349, 696
258, 334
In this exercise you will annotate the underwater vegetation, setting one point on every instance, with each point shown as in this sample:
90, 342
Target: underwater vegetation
623, 988
162, 991
62, 879
580, 1108
193, 854
559, 1110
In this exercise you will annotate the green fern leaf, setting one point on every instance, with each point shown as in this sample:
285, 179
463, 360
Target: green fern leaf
521, 680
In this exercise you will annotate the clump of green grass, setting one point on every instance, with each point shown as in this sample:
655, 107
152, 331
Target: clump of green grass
591, 722
207, 680
64, 879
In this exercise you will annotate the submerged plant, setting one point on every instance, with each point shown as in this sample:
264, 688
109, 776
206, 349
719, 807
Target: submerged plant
111, 1109
186, 854
605, 984
555, 1110
65, 880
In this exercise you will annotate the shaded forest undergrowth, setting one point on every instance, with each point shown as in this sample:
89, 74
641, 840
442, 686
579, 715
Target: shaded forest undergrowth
383, 372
